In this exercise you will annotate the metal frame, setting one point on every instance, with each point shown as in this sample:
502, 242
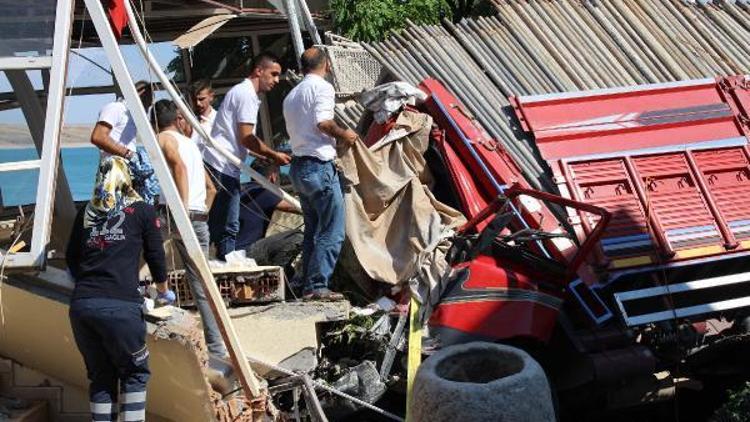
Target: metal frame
294, 29
50, 148
516, 191
26, 63
20, 165
697, 146
598, 320
689, 311
531, 99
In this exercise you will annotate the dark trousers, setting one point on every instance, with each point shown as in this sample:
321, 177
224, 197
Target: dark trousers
224, 217
111, 336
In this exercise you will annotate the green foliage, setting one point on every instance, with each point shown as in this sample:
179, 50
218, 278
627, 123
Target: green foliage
357, 328
216, 58
372, 20
737, 407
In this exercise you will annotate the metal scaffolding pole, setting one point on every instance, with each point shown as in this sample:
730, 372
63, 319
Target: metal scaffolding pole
294, 29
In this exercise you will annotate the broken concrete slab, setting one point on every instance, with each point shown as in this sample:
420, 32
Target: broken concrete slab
275, 332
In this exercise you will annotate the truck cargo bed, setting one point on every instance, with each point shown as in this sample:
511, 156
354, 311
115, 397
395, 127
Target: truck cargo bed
669, 161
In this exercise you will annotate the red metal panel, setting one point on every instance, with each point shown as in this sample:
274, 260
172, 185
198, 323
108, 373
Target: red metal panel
630, 152
613, 106
629, 119
499, 300
727, 173
487, 160
473, 198
606, 183
617, 140
676, 201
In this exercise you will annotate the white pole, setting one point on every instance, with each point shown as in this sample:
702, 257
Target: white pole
310, 23
53, 188
246, 376
295, 32
188, 113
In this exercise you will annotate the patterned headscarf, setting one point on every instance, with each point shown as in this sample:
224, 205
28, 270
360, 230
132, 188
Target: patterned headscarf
113, 191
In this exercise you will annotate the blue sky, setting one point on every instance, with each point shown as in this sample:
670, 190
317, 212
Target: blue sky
84, 109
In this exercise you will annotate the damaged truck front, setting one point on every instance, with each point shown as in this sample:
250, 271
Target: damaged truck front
633, 282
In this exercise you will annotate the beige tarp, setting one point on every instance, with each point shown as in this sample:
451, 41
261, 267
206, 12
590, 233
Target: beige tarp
397, 229
201, 31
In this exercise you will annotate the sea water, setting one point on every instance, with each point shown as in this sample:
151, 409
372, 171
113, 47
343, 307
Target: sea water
19, 187
79, 164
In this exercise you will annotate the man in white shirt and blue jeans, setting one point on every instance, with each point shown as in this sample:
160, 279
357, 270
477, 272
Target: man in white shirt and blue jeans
313, 133
234, 129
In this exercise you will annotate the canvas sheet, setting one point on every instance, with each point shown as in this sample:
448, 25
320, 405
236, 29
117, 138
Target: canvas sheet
398, 230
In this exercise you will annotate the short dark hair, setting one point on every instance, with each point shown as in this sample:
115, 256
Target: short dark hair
312, 59
263, 60
143, 86
197, 86
163, 114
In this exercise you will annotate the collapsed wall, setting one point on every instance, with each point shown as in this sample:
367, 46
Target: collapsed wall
35, 331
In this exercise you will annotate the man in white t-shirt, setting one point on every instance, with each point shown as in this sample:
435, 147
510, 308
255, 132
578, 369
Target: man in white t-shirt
115, 134
234, 129
202, 98
197, 193
313, 133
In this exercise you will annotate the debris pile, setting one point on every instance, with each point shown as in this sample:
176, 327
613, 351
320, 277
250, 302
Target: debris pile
538, 47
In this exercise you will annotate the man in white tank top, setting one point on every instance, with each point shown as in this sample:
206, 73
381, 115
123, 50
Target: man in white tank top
197, 193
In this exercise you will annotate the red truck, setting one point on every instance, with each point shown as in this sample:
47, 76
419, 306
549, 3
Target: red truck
633, 279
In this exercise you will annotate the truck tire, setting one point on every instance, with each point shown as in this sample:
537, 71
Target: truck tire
481, 382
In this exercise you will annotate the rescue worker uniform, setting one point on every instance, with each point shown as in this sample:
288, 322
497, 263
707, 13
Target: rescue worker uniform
106, 308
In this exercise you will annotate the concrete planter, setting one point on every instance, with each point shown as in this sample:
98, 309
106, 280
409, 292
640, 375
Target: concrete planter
482, 382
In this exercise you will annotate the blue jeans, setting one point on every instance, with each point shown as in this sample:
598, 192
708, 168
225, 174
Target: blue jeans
317, 183
111, 336
224, 217
211, 332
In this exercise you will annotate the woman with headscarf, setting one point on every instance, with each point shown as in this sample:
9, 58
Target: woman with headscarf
106, 315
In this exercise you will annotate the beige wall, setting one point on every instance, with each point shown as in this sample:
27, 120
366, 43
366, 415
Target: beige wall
37, 334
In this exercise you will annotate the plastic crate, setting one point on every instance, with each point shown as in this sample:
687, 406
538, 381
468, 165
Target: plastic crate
238, 286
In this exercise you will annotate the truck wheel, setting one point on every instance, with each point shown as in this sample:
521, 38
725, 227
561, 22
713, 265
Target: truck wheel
482, 382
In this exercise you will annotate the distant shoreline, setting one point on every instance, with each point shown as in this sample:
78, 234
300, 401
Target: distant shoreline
17, 136
4, 147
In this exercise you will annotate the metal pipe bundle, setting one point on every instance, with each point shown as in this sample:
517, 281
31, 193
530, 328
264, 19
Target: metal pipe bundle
544, 46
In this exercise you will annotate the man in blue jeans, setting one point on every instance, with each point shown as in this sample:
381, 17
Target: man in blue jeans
309, 116
234, 129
